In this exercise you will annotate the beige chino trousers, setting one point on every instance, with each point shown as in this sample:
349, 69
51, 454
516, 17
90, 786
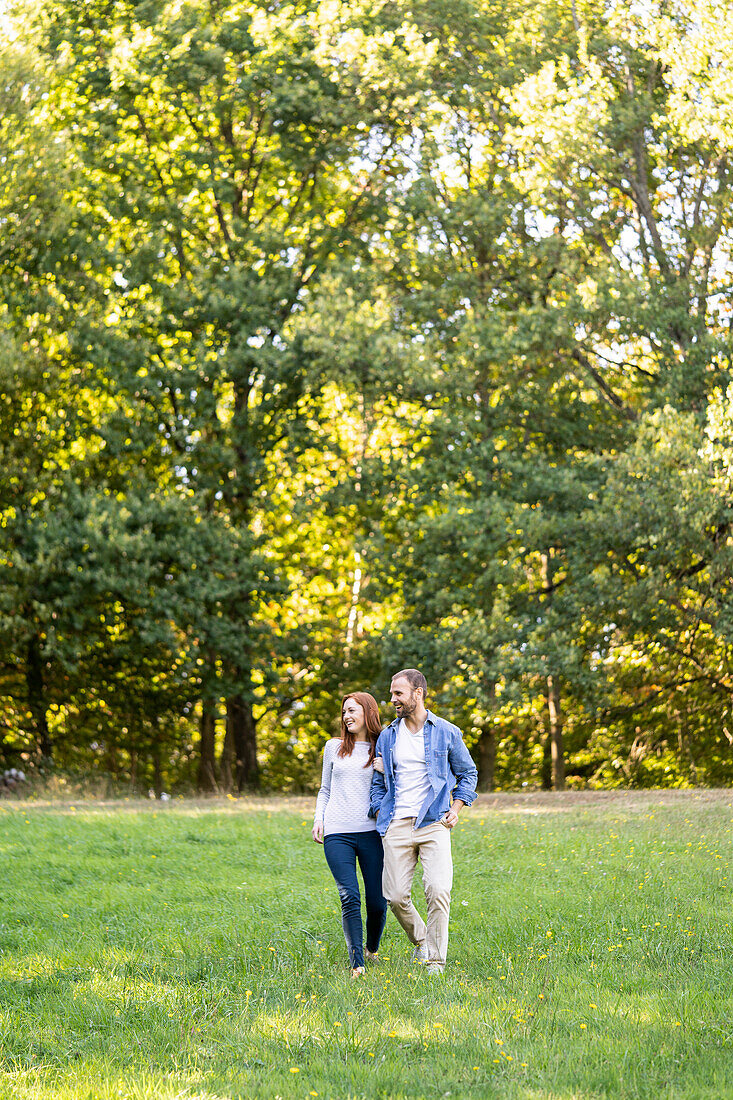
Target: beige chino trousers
403, 846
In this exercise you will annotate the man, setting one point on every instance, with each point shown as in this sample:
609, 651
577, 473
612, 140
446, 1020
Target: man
424, 764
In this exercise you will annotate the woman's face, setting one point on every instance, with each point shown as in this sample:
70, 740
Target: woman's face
353, 716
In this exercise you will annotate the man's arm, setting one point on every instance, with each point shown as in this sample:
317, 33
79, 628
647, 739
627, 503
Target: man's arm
464, 769
378, 787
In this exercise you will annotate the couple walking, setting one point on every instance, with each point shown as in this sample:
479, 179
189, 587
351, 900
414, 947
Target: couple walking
389, 797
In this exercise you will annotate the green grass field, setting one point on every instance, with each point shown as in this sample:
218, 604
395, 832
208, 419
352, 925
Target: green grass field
195, 950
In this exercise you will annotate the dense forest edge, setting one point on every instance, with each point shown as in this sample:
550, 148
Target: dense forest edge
341, 338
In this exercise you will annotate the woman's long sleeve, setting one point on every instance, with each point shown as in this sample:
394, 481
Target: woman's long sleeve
325, 792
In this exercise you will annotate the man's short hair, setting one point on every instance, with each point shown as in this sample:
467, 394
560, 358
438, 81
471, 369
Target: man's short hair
414, 678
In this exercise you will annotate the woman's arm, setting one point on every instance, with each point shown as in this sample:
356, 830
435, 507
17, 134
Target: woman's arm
323, 795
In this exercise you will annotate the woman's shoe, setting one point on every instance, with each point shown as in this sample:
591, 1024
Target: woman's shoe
371, 956
357, 972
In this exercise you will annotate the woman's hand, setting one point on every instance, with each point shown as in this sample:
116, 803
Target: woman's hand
317, 832
378, 764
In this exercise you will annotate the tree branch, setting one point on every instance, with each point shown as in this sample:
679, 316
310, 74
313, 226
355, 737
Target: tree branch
610, 396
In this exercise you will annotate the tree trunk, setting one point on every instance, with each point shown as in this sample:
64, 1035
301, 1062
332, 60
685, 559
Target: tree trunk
557, 761
111, 759
353, 608
555, 734
240, 719
206, 778
157, 771
486, 758
244, 740
37, 698
226, 758
547, 763
683, 747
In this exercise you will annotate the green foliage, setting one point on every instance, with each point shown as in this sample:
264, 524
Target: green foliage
340, 337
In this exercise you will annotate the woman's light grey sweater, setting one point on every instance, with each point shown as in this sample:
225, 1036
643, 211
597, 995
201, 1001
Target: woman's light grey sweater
343, 800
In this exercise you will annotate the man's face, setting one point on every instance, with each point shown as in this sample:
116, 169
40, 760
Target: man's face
404, 698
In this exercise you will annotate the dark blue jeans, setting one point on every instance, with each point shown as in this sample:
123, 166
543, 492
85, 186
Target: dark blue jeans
342, 852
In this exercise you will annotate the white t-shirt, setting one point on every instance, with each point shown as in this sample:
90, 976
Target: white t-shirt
412, 784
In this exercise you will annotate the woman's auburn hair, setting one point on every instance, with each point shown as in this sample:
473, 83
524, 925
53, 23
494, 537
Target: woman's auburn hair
371, 718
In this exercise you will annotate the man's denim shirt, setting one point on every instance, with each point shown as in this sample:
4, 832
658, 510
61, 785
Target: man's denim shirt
451, 771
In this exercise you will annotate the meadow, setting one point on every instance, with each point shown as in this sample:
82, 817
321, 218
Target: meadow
194, 950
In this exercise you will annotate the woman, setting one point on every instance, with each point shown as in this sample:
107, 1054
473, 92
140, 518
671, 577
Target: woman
342, 824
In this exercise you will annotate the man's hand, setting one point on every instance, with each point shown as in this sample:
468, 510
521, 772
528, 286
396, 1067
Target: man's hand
378, 764
450, 818
317, 832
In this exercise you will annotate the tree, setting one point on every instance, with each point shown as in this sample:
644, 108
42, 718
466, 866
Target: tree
230, 154
561, 295
44, 411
